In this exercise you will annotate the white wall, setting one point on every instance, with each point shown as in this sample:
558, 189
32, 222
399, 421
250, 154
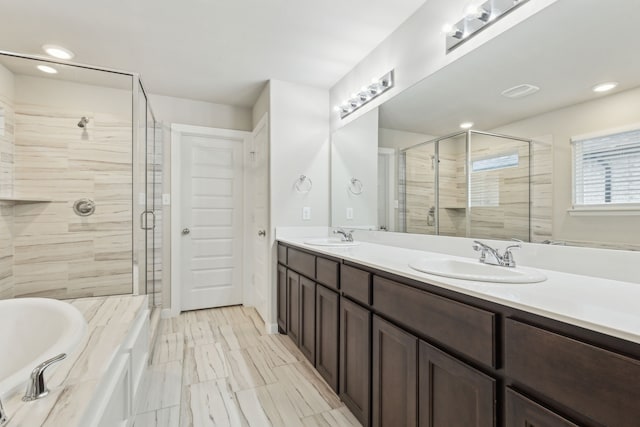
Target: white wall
169, 109
417, 49
354, 154
603, 113
299, 146
262, 105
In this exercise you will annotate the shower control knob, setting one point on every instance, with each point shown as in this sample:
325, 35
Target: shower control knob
186, 231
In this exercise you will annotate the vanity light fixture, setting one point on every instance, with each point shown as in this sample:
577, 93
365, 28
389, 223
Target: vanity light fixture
466, 125
58, 51
47, 69
366, 94
605, 87
477, 17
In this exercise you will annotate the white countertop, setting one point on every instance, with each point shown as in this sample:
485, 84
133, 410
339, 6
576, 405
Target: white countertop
602, 305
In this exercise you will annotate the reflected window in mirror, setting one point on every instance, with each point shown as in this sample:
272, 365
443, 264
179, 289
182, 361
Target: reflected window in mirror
606, 169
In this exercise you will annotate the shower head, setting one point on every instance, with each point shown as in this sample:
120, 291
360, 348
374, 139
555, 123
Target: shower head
83, 122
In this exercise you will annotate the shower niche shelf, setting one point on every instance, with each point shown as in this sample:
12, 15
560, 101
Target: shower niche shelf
24, 199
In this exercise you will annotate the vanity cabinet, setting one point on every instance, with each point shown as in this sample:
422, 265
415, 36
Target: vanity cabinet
520, 411
600, 384
307, 336
355, 366
452, 393
402, 352
394, 375
327, 323
282, 298
293, 306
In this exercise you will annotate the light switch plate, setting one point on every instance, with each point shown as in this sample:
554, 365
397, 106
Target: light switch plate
166, 199
306, 213
349, 213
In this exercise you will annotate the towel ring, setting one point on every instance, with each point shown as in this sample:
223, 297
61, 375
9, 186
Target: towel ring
303, 184
355, 186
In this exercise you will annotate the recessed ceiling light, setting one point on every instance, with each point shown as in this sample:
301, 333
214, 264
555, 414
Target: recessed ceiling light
47, 69
57, 51
605, 87
466, 125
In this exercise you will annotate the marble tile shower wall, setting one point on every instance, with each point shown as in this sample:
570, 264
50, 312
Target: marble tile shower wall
6, 189
55, 252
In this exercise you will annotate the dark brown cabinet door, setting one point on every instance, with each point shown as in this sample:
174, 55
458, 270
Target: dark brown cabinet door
452, 393
355, 350
293, 306
307, 341
522, 412
394, 365
282, 298
327, 312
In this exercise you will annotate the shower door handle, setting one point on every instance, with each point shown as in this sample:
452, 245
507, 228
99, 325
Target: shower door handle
144, 224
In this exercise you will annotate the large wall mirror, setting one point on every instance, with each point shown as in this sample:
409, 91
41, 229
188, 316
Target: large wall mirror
550, 155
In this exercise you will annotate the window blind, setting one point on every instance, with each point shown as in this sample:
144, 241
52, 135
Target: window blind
607, 169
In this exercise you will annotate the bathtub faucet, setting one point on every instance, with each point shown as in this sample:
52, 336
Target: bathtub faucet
36, 388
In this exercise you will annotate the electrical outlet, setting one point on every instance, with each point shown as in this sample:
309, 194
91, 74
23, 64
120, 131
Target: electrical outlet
349, 213
306, 213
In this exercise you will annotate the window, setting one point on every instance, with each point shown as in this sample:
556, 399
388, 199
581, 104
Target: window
497, 162
607, 169
485, 187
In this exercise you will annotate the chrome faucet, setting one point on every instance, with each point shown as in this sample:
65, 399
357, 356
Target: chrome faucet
36, 388
3, 415
505, 260
347, 236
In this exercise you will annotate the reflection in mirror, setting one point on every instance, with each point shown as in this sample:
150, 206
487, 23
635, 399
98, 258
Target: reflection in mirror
575, 183
468, 184
354, 175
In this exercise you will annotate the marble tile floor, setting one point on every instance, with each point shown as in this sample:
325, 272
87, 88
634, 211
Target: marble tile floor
218, 368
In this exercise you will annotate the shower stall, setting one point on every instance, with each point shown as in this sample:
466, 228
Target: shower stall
468, 184
80, 182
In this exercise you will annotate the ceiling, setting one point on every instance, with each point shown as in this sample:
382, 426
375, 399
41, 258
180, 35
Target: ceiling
211, 50
565, 50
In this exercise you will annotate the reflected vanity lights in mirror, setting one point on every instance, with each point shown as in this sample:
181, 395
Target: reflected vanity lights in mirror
552, 155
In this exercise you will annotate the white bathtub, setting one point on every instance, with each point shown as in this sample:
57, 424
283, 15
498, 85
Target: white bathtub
33, 330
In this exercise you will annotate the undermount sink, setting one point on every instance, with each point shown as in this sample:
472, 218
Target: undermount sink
476, 271
330, 241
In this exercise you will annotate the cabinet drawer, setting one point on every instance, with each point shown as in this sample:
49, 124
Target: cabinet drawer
282, 254
302, 262
595, 382
521, 411
463, 328
356, 284
327, 272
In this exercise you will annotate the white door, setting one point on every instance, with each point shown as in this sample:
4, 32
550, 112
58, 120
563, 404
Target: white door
260, 216
211, 216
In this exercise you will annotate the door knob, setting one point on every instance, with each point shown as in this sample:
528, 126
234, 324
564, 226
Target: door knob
186, 231
262, 233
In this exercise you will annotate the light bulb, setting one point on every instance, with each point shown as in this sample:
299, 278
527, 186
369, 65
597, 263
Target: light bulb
57, 51
605, 87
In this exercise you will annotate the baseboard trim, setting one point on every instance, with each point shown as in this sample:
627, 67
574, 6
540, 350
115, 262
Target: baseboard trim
272, 328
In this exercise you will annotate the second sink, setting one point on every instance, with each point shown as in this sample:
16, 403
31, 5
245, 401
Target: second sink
330, 241
476, 271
